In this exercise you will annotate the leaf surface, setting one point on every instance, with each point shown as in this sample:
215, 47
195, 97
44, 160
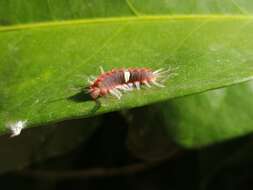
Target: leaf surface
42, 62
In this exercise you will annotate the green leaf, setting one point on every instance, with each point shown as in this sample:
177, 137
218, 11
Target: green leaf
31, 11
40, 63
210, 117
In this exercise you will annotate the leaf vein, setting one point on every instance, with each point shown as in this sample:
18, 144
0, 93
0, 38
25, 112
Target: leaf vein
133, 8
123, 19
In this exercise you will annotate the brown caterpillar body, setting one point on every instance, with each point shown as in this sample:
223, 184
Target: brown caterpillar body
117, 80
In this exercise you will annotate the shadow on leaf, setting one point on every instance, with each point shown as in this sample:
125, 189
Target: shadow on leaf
83, 96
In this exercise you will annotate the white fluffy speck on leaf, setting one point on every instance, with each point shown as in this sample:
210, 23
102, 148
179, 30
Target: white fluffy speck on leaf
16, 127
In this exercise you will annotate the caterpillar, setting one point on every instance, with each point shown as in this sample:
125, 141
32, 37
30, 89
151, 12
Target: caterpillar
116, 81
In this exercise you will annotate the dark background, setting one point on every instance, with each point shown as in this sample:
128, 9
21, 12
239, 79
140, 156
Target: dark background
110, 159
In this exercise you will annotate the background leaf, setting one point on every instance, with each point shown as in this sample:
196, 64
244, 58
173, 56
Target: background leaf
192, 122
38, 144
210, 117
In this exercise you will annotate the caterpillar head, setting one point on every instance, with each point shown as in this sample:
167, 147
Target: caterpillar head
94, 92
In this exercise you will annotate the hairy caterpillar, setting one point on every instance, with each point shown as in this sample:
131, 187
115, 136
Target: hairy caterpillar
116, 81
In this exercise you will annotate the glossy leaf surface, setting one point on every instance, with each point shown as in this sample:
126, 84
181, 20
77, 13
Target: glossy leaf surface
41, 63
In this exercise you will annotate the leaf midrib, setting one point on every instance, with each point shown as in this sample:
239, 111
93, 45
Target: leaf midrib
124, 19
